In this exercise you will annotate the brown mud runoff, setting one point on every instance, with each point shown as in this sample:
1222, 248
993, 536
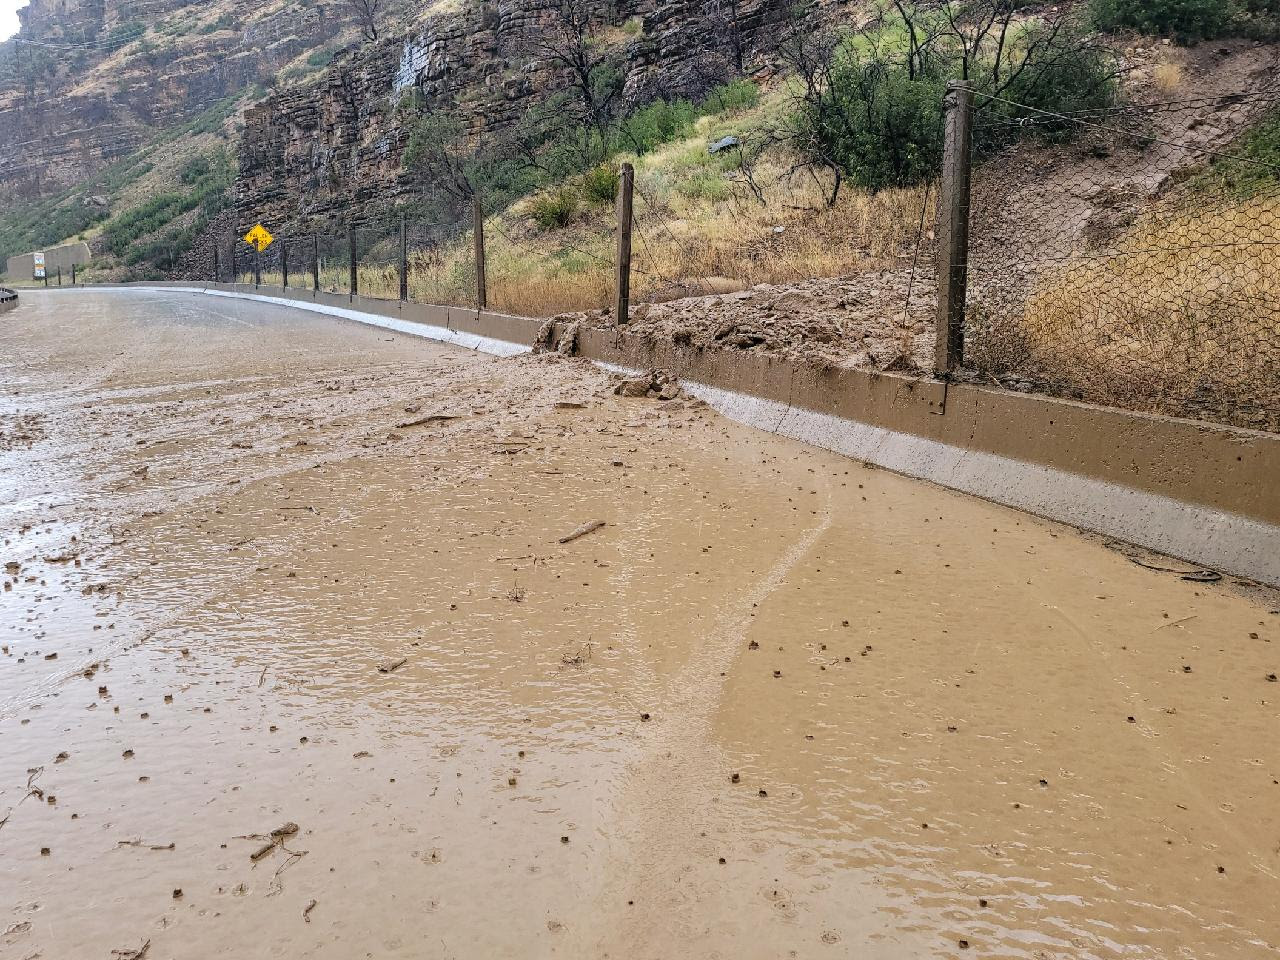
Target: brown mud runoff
779, 705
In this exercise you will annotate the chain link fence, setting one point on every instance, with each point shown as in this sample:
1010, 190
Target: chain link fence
1128, 257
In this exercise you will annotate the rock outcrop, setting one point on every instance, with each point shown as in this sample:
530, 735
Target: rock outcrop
335, 148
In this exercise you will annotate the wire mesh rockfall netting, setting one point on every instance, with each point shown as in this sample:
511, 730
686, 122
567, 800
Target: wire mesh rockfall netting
1129, 256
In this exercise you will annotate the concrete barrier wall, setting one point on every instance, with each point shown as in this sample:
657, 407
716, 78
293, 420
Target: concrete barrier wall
1208, 494
8, 299
22, 266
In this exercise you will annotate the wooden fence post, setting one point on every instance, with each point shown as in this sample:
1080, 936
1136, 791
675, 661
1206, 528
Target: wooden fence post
284, 264
59, 274
625, 187
953, 227
404, 259
73, 274
216, 271
257, 267
351, 249
477, 228
315, 264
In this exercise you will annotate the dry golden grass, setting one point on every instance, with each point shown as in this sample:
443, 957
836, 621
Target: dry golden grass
688, 246
1168, 77
1184, 313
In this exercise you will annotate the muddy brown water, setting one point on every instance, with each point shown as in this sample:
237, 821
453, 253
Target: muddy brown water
884, 720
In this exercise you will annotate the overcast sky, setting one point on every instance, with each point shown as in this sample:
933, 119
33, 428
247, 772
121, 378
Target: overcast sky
9, 17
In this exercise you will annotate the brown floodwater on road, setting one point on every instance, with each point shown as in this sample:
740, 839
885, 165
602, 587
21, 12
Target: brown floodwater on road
271, 571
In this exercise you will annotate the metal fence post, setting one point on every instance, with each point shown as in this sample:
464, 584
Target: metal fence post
59, 274
315, 264
73, 274
351, 247
216, 272
477, 228
953, 227
625, 187
404, 259
284, 264
257, 267
235, 277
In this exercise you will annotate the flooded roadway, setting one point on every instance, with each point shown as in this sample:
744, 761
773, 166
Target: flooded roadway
780, 705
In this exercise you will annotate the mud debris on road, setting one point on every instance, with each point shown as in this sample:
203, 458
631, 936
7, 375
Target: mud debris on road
779, 705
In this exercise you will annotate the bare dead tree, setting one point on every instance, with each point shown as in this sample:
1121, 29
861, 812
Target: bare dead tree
367, 14
569, 40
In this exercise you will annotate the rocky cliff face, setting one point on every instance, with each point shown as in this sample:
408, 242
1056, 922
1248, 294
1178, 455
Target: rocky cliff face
336, 147
87, 81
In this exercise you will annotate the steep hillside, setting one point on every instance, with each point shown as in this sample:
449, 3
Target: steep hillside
119, 116
87, 82
320, 149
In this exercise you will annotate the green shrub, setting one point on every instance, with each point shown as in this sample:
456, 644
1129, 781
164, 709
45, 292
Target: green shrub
554, 208
1186, 20
600, 184
731, 97
878, 125
1254, 164
660, 122
706, 184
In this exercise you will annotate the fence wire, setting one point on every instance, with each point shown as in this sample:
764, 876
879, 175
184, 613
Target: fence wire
1130, 258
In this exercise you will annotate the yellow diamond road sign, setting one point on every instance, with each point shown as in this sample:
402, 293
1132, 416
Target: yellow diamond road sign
260, 237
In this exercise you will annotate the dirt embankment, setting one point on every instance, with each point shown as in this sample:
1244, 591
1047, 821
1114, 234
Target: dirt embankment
1033, 204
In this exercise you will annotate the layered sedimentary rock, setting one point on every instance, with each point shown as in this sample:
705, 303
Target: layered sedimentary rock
88, 81
335, 148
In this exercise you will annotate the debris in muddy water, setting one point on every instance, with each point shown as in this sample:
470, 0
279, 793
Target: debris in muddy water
132, 954
735, 778
138, 842
430, 418
753, 645
177, 893
306, 911
262, 852
633, 387
582, 531
564, 839
763, 792
358, 755
45, 851
392, 665
570, 405
644, 717
128, 754
577, 660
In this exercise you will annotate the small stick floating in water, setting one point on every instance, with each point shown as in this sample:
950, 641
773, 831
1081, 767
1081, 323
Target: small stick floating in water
582, 531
